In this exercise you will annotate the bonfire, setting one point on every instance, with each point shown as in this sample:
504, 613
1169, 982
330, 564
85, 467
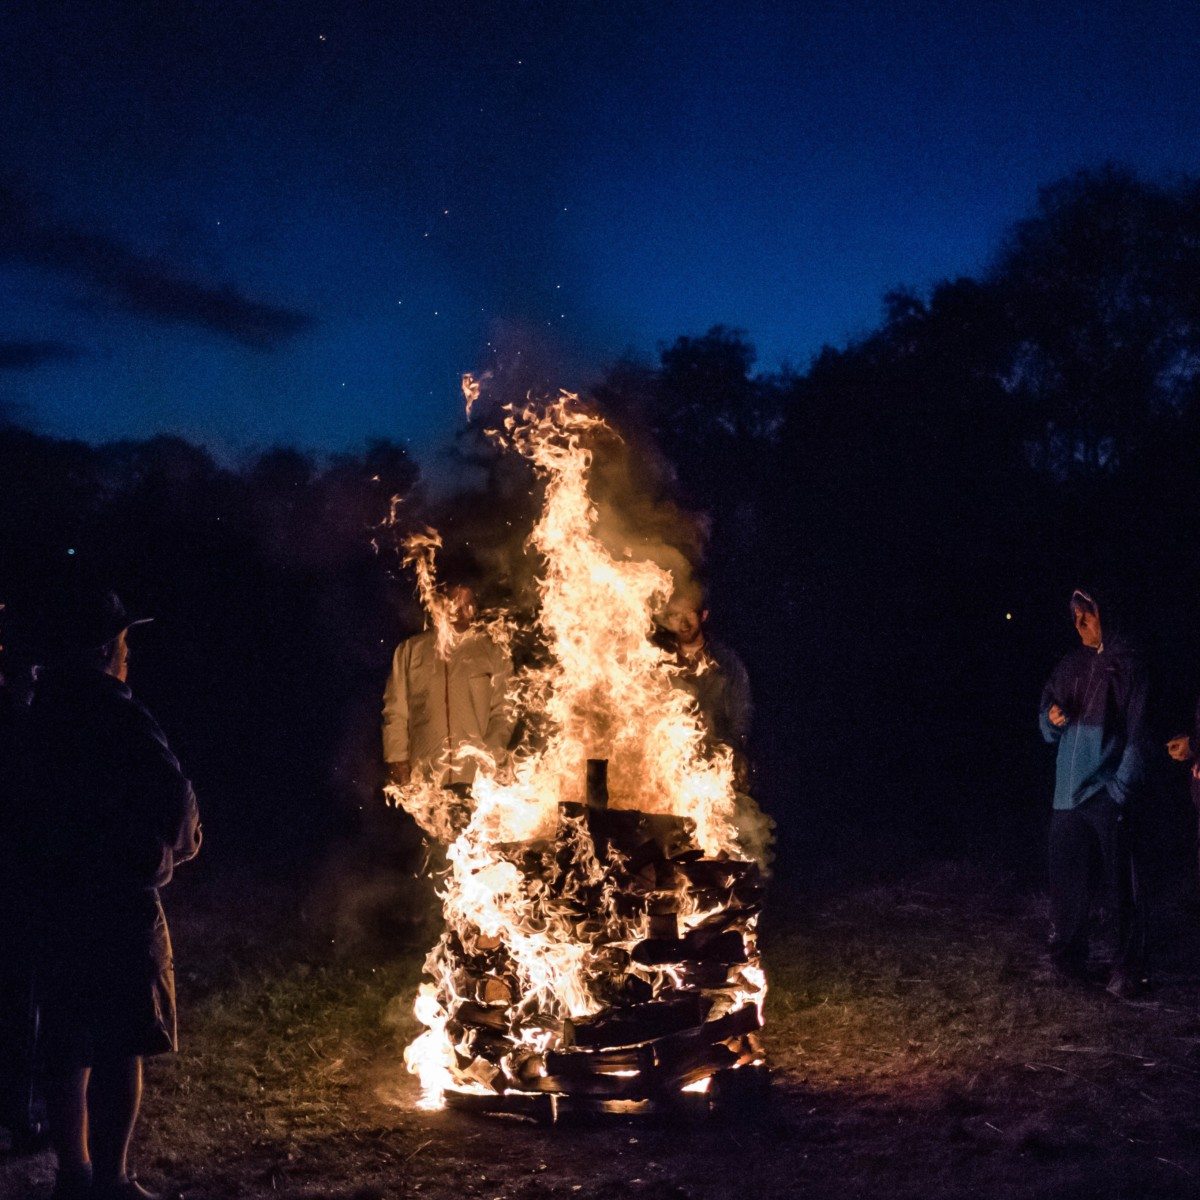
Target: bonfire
599, 947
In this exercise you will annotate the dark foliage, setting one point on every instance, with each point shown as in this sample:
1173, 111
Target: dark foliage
273, 589
893, 536
897, 530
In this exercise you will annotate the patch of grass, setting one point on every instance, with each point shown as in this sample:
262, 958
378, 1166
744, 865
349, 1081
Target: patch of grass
919, 1049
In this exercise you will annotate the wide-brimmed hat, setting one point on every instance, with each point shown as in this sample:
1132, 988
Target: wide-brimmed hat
78, 619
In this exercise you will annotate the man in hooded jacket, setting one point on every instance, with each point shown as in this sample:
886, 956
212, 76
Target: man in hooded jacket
710, 671
1093, 708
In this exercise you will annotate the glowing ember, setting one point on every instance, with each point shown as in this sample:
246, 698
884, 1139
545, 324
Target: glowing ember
599, 909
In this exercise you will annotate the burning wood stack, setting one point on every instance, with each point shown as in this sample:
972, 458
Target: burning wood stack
671, 955
600, 951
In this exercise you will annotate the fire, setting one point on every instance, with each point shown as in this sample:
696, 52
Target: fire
545, 913
471, 390
420, 550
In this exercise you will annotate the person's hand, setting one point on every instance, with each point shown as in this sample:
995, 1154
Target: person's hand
1196, 769
1180, 748
399, 773
1057, 717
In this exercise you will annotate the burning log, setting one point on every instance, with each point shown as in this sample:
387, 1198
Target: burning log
727, 948
675, 1011
494, 991
480, 1016
668, 935
637, 1023
661, 1064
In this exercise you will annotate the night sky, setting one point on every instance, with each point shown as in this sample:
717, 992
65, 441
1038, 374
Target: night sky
259, 222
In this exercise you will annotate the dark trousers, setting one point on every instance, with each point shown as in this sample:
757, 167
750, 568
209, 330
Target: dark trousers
20, 1102
1092, 862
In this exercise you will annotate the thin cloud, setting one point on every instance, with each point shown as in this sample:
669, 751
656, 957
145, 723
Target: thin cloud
25, 355
139, 282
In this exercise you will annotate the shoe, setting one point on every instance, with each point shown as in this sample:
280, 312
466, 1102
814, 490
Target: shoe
1122, 986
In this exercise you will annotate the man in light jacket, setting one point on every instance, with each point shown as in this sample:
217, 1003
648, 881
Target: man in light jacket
1094, 709
446, 692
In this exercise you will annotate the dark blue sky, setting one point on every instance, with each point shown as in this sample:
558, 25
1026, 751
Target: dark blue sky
265, 221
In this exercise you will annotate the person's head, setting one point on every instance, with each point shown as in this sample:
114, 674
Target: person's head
88, 627
685, 615
112, 657
1085, 612
462, 606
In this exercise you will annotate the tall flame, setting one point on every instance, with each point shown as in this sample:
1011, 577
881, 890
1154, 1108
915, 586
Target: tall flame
420, 552
605, 691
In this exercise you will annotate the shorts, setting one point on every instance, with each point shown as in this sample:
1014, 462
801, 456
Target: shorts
105, 985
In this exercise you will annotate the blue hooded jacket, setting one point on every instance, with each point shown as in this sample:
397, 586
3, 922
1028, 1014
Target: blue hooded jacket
1101, 748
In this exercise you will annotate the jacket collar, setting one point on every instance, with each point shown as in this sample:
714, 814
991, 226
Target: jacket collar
81, 679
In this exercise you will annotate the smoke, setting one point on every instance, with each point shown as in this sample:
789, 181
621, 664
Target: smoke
755, 831
637, 515
488, 520
372, 893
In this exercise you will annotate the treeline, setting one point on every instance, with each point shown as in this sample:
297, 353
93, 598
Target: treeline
893, 534
275, 598
898, 528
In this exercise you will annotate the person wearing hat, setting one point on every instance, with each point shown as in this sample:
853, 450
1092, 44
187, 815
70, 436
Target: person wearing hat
21, 1107
107, 816
1093, 708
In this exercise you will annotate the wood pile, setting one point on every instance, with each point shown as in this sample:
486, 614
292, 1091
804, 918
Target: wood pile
671, 940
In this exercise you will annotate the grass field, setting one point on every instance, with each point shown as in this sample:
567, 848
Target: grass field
919, 1050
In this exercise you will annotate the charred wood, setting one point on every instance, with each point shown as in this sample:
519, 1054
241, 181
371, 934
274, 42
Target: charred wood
470, 1014
638, 1023
728, 948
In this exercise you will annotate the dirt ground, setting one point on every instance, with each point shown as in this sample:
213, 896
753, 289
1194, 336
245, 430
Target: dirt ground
918, 1046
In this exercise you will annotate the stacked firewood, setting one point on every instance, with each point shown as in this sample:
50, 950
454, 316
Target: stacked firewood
672, 959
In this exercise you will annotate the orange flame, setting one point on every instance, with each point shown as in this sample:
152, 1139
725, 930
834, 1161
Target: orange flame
420, 552
606, 691
471, 388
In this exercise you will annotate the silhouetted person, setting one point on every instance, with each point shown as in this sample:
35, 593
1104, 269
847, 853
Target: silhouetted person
1094, 709
21, 1109
711, 672
1186, 749
435, 703
107, 817
717, 680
